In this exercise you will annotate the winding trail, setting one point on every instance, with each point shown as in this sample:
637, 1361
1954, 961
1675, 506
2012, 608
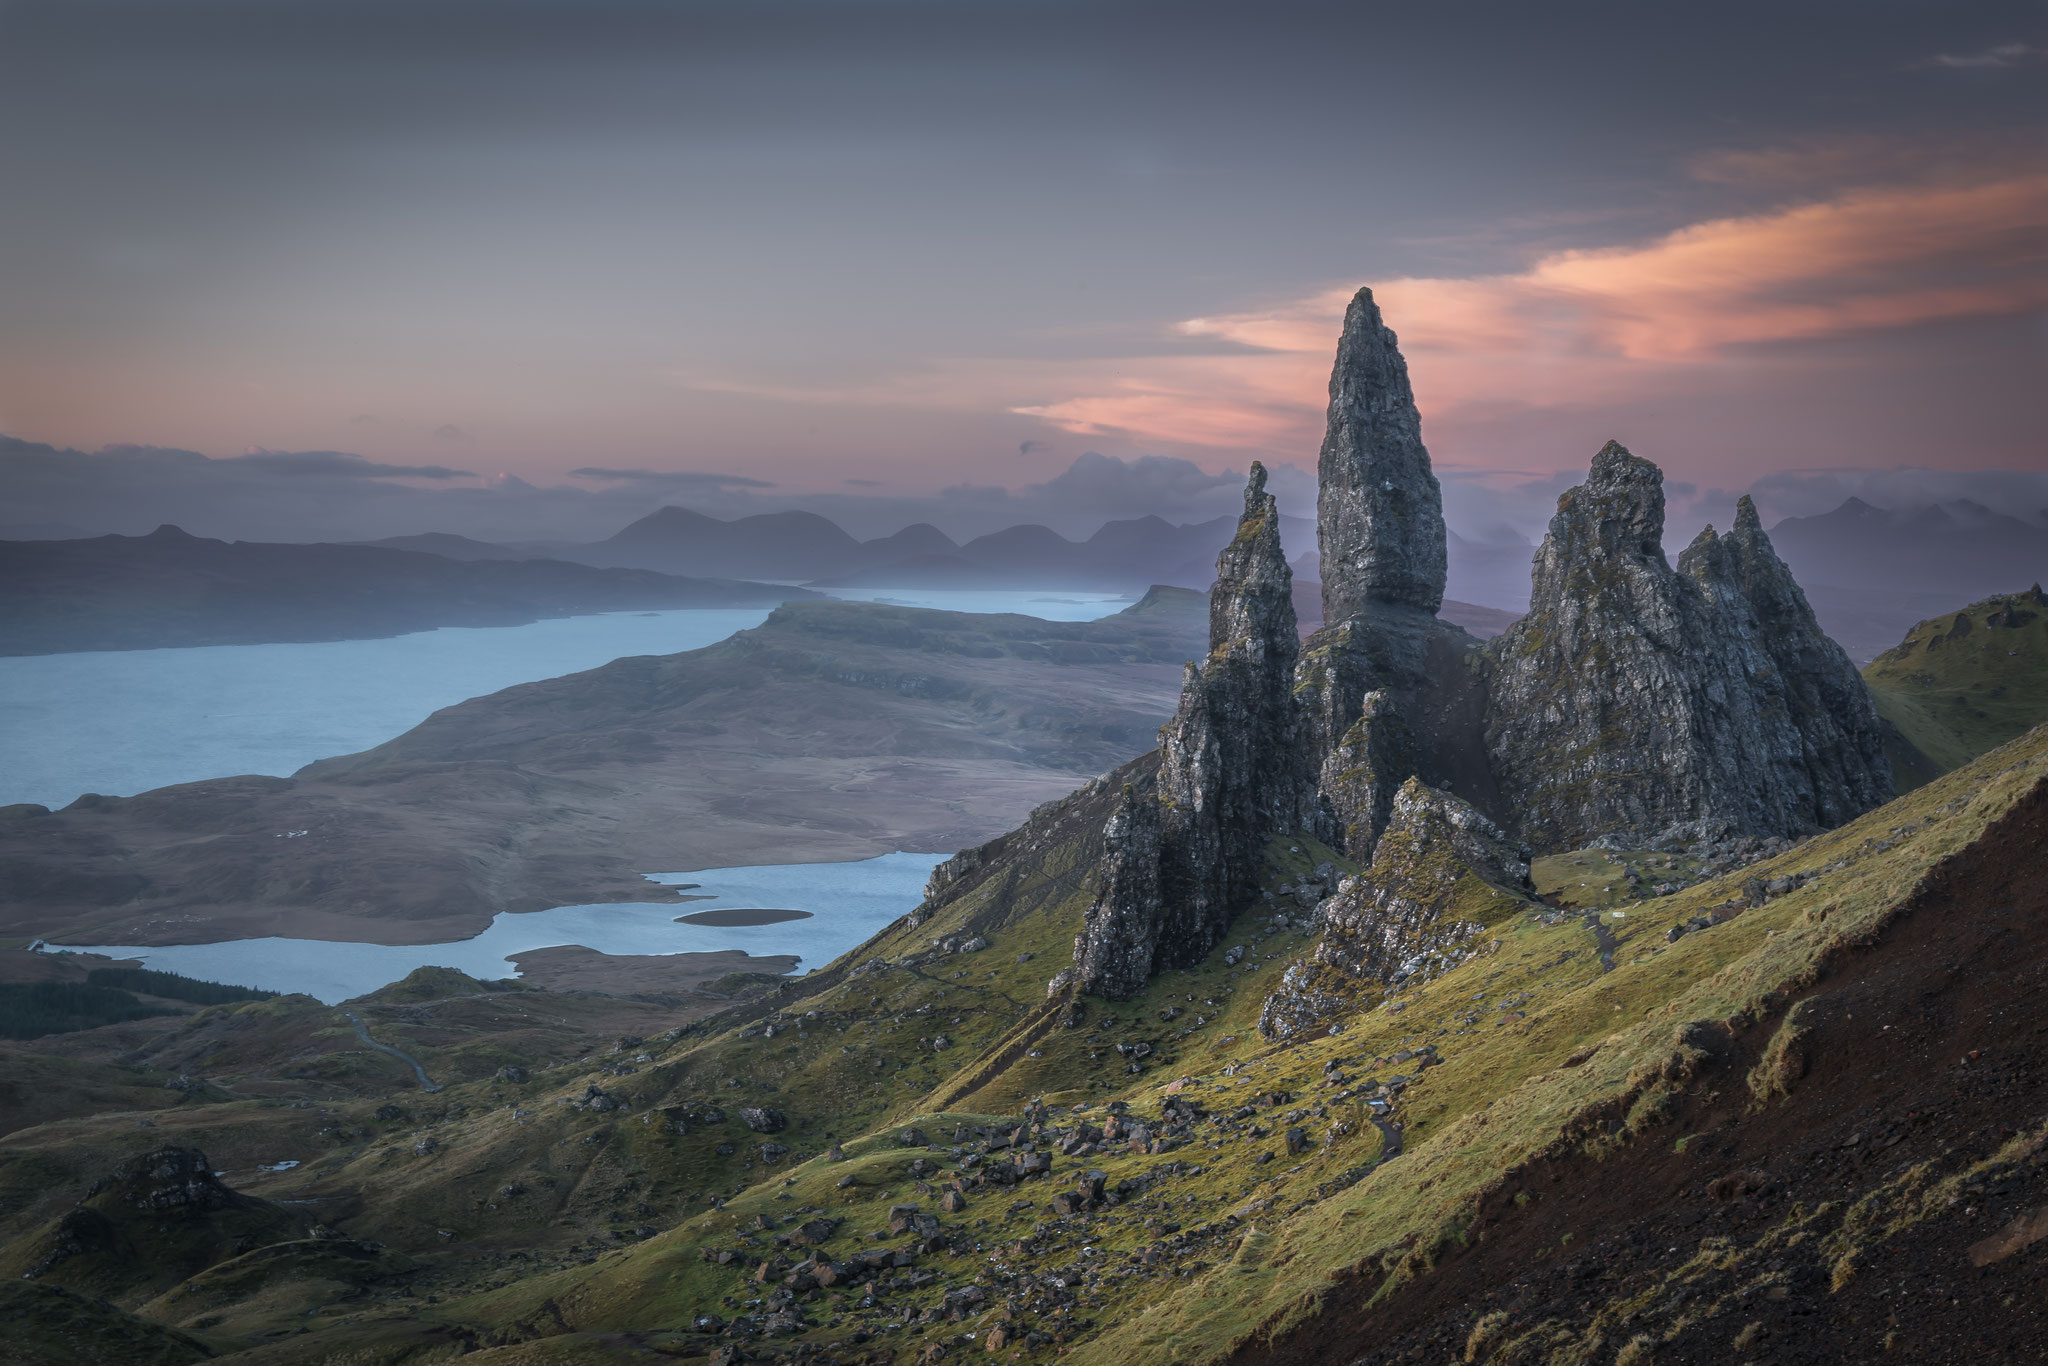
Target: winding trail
1604, 938
1390, 1139
363, 1033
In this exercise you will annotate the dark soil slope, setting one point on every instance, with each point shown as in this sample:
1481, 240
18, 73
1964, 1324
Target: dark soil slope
1880, 1210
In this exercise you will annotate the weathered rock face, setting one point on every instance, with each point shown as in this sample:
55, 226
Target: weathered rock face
1113, 953
1635, 699
1379, 516
1227, 769
1439, 874
1364, 770
1381, 529
1230, 775
1841, 737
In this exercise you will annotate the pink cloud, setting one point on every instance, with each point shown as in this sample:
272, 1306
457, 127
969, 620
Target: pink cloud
1583, 326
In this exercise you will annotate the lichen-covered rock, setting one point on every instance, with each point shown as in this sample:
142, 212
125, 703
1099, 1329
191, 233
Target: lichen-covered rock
1231, 773
1361, 774
1380, 526
1379, 516
1441, 872
1113, 953
1635, 698
763, 1119
1841, 737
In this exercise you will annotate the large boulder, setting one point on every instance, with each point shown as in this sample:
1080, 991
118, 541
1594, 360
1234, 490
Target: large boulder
1440, 874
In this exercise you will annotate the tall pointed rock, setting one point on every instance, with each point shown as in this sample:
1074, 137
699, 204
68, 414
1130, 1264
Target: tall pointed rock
1230, 775
1380, 516
1380, 525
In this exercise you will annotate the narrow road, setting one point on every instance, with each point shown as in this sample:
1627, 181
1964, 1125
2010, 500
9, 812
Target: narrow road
363, 1033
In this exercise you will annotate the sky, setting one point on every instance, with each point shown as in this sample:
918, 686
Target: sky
517, 268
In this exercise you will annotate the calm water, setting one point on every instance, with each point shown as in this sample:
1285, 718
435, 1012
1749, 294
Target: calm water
1048, 605
848, 901
119, 722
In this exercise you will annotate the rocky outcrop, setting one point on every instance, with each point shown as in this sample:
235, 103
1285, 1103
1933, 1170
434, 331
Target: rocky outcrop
1636, 700
1361, 774
1113, 954
1379, 515
1440, 874
1230, 775
1380, 524
155, 1220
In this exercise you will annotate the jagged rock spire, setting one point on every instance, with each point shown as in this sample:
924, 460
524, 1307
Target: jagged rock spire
1251, 606
1230, 775
1379, 517
1641, 701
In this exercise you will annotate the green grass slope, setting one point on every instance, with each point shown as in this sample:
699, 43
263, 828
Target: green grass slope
1231, 1235
596, 1207
1960, 685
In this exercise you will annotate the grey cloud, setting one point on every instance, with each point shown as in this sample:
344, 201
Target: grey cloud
1164, 484
448, 431
1991, 58
672, 478
339, 465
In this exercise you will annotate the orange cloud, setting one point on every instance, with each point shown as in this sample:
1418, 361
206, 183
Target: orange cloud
1577, 325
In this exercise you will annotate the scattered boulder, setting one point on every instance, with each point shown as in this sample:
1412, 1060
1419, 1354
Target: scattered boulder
763, 1119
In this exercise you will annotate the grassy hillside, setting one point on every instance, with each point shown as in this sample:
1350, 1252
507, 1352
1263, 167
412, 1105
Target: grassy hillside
600, 1203
1962, 684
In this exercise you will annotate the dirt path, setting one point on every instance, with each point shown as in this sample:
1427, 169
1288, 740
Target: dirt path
363, 1033
1604, 938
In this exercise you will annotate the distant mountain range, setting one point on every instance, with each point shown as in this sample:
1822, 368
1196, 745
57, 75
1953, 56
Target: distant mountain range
1869, 573
1127, 555
171, 588
1872, 574
802, 547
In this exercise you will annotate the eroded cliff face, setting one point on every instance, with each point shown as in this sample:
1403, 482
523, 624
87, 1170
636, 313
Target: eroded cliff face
1841, 737
1185, 855
1636, 700
1440, 874
1641, 701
